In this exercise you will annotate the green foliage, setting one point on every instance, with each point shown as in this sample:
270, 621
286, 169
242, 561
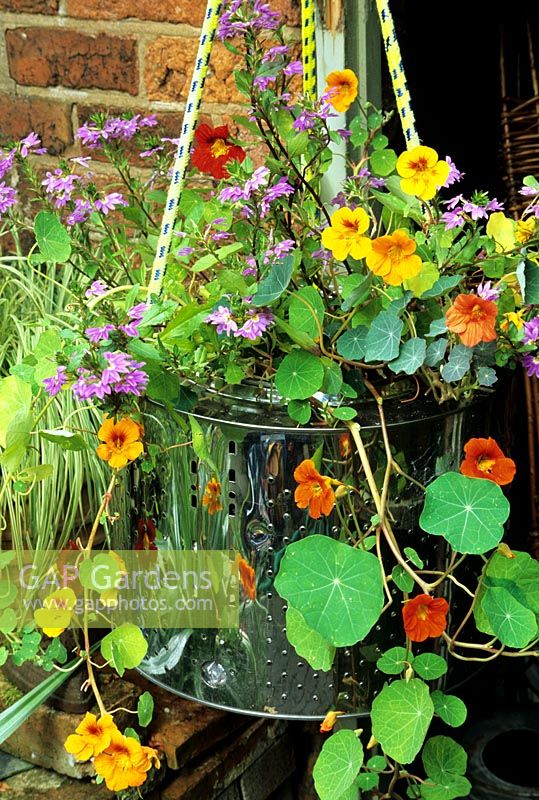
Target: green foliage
145, 708
299, 376
274, 284
450, 708
52, 238
124, 647
401, 715
383, 337
307, 643
337, 765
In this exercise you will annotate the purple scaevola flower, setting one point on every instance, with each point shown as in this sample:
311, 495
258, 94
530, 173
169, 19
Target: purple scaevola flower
280, 189
232, 193
6, 162
263, 81
476, 212
101, 334
152, 151
294, 68
531, 364
223, 320
248, 271
531, 331
109, 202
219, 236
453, 219
258, 179
29, 143
487, 291
455, 175
97, 289
54, 385
8, 197
80, 213
345, 134
494, 205
274, 52
256, 323
529, 191
185, 251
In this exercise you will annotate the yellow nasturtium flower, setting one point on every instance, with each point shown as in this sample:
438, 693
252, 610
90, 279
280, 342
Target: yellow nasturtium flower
514, 317
56, 613
421, 172
91, 737
525, 230
344, 237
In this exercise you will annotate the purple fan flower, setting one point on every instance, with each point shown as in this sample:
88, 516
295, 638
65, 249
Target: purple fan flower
263, 81
531, 364
185, 251
274, 52
305, 121
97, 289
101, 334
138, 311
223, 320
476, 212
294, 68
455, 175
80, 213
109, 202
531, 331
248, 271
232, 193
8, 197
89, 135
494, 205
345, 134
54, 385
284, 247
256, 323
454, 202
29, 143
88, 386
6, 162
453, 219
280, 189
219, 236
152, 151
529, 191
258, 179
487, 291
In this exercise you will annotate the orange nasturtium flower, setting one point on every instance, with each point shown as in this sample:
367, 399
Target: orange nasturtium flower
473, 318
394, 258
485, 459
124, 762
421, 172
211, 496
341, 89
247, 578
314, 491
328, 723
91, 737
425, 616
344, 237
121, 441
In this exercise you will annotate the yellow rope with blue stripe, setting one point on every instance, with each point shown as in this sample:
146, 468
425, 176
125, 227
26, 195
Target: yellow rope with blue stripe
181, 161
308, 48
398, 78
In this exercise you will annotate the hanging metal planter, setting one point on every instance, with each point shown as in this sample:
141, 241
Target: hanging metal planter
255, 450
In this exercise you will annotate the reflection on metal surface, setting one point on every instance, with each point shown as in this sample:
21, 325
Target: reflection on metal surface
254, 454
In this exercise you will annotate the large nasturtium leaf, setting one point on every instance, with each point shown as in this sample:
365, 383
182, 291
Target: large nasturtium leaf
307, 643
458, 786
513, 624
401, 715
458, 363
124, 647
337, 589
394, 661
15, 401
306, 311
443, 759
450, 708
519, 575
429, 666
337, 765
352, 343
52, 238
299, 376
275, 282
468, 512
411, 356
383, 338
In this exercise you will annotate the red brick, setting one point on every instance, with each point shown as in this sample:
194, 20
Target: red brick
30, 6
169, 66
20, 115
56, 57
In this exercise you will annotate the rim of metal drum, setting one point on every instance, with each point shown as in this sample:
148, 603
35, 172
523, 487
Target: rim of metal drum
253, 406
245, 711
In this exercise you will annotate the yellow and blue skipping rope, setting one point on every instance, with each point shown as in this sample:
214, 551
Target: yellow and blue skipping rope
308, 48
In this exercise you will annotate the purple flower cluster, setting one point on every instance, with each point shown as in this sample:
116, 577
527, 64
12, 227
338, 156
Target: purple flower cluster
61, 185
97, 289
81, 212
280, 189
255, 323
8, 197
531, 364
458, 206
263, 81
455, 175
130, 328
109, 202
275, 52
121, 375
307, 119
366, 175
93, 136
6, 161
279, 250
259, 17
54, 385
258, 179
30, 145
531, 331
487, 291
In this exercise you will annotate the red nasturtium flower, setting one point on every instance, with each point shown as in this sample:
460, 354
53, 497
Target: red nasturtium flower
314, 491
213, 151
485, 459
146, 532
212, 493
473, 318
425, 617
247, 578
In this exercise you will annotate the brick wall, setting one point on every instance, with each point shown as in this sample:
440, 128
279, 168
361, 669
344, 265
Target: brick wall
60, 60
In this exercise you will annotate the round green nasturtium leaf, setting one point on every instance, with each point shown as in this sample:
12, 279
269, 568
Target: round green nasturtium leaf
400, 716
411, 356
145, 708
522, 571
443, 759
337, 765
402, 579
300, 411
377, 763
394, 661
383, 337
458, 787
449, 708
307, 643
337, 589
468, 512
306, 311
299, 376
513, 624
413, 556
429, 666
124, 647
52, 238
352, 343
367, 781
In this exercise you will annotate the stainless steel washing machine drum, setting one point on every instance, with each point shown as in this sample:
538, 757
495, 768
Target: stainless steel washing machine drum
254, 450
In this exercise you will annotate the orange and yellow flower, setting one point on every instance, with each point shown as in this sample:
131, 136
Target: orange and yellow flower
341, 89
513, 317
120, 441
124, 762
344, 237
211, 497
314, 491
425, 617
328, 723
485, 459
91, 737
473, 318
247, 578
421, 171
213, 150
393, 258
